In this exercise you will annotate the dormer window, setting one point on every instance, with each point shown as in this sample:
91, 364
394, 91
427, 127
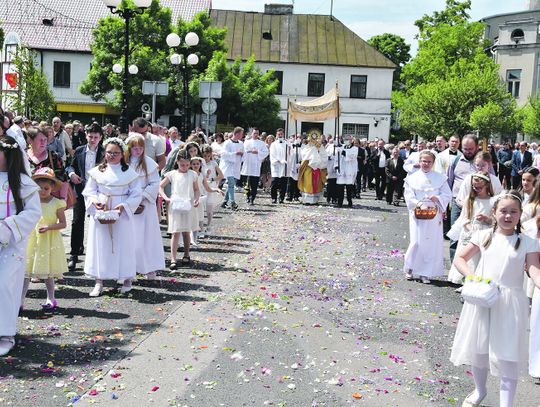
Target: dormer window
517, 35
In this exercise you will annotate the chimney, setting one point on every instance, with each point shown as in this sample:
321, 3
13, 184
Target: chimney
533, 5
280, 9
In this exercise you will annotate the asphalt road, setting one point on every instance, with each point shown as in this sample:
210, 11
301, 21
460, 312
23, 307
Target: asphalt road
287, 305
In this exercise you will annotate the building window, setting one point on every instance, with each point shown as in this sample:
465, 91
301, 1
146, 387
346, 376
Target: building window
315, 84
62, 74
513, 79
10, 52
355, 129
278, 75
517, 35
358, 86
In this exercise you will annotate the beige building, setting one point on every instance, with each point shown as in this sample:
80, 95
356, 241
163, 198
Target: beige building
515, 46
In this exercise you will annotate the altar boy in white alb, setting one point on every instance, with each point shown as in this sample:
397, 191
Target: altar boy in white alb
280, 151
255, 151
295, 160
346, 173
232, 152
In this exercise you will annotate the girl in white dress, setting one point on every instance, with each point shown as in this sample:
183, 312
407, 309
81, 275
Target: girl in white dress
113, 191
475, 216
149, 247
213, 177
205, 190
425, 254
183, 204
533, 230
20, 210
496, 338
530, 214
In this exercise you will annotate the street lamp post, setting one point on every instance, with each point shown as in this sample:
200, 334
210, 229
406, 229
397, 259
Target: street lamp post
127, 14
183, 59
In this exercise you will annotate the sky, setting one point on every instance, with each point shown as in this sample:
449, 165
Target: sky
371, 17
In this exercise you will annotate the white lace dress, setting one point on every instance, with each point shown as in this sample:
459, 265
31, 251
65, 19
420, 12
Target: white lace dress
496, 337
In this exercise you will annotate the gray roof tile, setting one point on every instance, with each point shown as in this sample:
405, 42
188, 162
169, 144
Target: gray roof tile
73, 21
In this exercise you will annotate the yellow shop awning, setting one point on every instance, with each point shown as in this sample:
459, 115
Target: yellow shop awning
85, 108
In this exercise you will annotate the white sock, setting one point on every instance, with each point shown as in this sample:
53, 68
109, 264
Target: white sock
480, 380
49, 284
507, 392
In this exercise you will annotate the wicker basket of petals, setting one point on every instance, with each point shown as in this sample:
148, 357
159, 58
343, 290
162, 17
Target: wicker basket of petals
425, 213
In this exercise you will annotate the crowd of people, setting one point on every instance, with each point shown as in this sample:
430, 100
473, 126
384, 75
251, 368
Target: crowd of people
484, 202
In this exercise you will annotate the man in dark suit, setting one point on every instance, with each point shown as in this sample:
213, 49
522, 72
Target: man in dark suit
85, 158
378, 163
521, 159
395, 174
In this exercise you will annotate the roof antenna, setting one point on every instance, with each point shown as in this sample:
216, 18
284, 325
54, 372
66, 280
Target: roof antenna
331, 10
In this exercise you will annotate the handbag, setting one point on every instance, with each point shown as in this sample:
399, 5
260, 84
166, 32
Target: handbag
481, 291
180, 204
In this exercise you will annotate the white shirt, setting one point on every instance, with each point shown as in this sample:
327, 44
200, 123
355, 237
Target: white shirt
176, 143
252, 161
279, 155
382, 159
231, 162
90, 161
154, 146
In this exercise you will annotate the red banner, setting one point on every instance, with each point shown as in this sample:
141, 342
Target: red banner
11, 79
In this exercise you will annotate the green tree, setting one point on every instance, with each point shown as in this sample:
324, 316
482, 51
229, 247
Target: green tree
248, 95
492, 118
2, 36
211, 41
530, 116
456, 12
450, 78
395, 49
149, 51
34, 97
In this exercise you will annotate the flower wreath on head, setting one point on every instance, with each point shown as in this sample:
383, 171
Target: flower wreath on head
10, 146
118, 141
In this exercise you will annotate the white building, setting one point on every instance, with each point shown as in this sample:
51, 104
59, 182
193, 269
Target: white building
515, 46
310, 53
60, 34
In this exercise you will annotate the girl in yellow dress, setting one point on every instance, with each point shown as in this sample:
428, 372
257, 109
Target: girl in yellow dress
46, 258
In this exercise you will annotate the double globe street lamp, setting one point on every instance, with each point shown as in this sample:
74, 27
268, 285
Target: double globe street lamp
183, 59
127, 14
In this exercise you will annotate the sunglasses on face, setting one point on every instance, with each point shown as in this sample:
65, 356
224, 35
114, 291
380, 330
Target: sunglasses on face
113, 153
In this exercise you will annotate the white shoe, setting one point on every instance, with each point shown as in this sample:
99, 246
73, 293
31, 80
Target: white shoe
425, 280
126, 288
6, 344
96, 292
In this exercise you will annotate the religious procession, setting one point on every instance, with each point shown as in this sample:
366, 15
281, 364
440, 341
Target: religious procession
128, 187
206, 206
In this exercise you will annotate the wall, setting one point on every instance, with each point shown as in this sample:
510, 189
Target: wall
80, 65
374, 109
